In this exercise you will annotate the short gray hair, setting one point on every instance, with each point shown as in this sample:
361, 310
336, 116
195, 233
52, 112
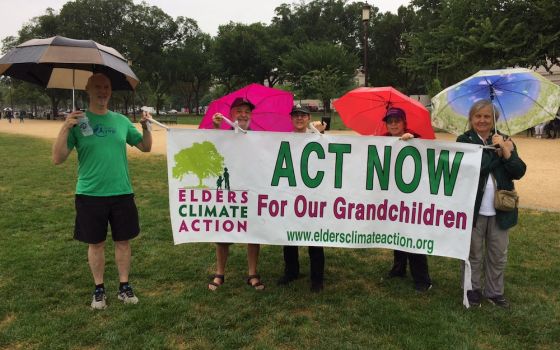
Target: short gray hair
478, 105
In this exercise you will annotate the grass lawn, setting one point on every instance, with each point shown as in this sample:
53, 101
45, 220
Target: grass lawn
46, 286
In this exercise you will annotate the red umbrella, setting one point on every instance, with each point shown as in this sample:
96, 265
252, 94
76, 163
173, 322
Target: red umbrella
271, 113
363, 109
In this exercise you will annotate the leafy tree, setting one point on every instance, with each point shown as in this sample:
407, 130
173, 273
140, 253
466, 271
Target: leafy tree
333, 21
44, 26
149, 34
388, 44
201, 159
321, 70
190, 58
247, 54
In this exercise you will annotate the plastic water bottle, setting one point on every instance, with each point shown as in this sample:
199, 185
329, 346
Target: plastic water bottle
84, 126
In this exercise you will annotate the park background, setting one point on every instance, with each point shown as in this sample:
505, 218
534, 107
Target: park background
306, 48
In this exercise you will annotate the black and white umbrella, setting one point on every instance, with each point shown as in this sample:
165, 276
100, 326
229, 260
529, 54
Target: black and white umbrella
64, 63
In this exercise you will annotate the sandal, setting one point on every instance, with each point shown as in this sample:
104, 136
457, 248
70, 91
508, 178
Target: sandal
213, 286
258, 285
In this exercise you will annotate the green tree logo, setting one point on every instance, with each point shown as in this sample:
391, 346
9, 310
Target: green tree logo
201, 159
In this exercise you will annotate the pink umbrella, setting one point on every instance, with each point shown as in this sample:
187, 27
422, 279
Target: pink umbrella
271, 113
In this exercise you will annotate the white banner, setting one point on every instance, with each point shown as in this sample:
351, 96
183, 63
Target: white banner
322, 190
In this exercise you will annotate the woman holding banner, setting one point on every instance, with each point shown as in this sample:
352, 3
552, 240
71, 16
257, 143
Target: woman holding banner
395, 121
301, 117
500, 165
240, 112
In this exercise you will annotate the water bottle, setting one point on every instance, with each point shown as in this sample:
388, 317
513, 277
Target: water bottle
85, 128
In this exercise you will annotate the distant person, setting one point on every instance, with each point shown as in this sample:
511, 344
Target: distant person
489, 237
10, 116
240, 111
21, 115
300, 121
103, 193
395, 121
539, 130
552, 129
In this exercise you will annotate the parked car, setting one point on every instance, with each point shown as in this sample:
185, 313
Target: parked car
172, 111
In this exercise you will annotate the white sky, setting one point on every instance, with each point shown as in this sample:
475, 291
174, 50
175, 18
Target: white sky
208, 13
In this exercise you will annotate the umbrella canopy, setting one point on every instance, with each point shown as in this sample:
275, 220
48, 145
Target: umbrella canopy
363, 109
271, 113
523, 98
64, 63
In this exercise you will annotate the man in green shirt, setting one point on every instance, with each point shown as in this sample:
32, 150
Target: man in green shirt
103, 193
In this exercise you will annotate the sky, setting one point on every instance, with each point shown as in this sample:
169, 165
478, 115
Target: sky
208, 13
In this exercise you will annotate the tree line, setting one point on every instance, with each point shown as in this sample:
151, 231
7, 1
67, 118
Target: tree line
313, 49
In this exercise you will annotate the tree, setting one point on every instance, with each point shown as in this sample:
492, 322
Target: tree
201, 159
321, 70
247, 54
191, 62
332, 21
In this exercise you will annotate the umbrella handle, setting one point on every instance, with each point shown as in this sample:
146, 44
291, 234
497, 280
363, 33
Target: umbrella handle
233, 125
158, 123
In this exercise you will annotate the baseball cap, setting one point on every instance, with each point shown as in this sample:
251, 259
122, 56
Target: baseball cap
394, 113
240, 101
299, 109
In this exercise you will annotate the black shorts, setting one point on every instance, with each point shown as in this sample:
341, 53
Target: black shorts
94, 213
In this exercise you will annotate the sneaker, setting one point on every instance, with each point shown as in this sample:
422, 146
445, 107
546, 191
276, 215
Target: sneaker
499, 300
99, 299
474, 297
423, 287
126, 295
285, 280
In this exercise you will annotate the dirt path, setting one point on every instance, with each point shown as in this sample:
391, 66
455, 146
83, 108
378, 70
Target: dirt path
539, 189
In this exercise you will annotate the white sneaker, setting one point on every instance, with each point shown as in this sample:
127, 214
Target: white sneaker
126, 295
99, 299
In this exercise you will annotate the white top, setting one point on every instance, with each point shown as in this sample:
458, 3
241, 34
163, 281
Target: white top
487, 204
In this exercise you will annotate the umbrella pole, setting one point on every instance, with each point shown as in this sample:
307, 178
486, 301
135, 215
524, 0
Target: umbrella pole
493, 109
73, 88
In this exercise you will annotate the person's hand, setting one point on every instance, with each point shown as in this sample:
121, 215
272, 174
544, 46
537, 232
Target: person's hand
146, 116
498, 140
320, 126
72, 119
508, 144
406, 136
217, 120
504, 147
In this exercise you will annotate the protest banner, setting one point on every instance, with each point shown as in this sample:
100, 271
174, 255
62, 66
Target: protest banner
324, 190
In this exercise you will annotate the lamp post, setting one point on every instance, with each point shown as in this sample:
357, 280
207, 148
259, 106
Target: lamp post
11, 97
365, 20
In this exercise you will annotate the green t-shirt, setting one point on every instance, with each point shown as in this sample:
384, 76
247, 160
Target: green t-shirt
102, 161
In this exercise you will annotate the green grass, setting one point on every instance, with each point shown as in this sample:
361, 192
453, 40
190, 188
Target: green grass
45, 283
